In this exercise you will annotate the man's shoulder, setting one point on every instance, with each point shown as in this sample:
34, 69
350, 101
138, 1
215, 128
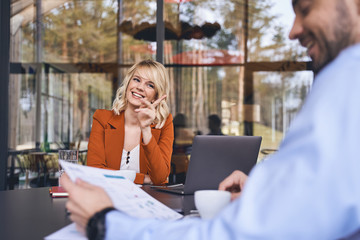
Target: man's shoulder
344, 67
347, 58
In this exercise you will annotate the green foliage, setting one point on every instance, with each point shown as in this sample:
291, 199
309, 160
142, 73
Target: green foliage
81, 31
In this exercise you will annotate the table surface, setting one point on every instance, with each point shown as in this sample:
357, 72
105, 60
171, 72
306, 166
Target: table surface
33, 214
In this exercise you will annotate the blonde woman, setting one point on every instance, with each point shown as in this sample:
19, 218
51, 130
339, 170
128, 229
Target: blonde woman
138, 132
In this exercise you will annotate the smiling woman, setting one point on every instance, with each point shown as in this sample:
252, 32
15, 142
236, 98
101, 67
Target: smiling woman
137, 133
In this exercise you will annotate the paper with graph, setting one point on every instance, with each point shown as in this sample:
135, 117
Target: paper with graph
126, 196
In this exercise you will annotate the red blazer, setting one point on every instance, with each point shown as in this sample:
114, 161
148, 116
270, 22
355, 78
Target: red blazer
106, 145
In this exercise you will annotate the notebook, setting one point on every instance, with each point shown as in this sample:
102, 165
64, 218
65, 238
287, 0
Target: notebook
213, 158
56, 192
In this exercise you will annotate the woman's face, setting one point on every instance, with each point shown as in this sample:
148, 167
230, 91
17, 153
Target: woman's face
140, 87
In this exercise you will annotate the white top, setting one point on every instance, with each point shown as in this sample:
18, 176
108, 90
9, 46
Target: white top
130, 160
309, 189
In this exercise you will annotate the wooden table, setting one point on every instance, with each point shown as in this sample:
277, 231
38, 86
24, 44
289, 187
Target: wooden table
33, 214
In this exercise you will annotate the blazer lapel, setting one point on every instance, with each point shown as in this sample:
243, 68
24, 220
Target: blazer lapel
117, 121
114, 140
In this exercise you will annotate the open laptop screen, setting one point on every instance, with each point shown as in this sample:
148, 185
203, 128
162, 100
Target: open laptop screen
213, 158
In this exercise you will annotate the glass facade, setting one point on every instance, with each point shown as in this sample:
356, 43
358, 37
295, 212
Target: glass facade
22, 110
231, 58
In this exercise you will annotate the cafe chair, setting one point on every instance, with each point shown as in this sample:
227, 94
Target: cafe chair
38, 164
14, 170
179, 165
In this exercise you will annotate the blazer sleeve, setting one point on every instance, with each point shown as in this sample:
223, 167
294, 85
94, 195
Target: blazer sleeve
159, 152
96, 145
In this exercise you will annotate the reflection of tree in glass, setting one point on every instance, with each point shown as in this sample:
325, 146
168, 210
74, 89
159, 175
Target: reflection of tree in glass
203, 90
81, 31
85, 31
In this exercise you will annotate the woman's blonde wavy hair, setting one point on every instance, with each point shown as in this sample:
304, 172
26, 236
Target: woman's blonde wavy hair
155, 72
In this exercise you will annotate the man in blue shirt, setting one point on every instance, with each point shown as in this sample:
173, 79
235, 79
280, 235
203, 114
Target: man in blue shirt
309, 189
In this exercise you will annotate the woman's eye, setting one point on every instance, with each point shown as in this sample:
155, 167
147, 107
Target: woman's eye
136, 80
151, 85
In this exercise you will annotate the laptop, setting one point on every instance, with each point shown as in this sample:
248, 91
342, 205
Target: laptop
213, 158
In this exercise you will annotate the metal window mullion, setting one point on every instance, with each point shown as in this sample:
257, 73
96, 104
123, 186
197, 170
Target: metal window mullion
160, 31
38, 60
4, 88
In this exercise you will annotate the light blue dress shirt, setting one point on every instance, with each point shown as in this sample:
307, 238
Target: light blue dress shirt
309, 189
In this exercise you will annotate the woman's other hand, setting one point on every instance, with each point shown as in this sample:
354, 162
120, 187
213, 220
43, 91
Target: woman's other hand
147, 179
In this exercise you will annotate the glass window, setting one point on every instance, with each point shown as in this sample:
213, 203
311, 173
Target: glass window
77, 39
69, 101
137, 30
22, 111
199, 92
216, 33
269, 25
230, 58
278, 98
203, 32
243, 71
81, 31
22, 32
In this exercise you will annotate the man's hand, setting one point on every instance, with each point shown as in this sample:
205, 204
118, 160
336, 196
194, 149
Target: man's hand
234, 183
84, 201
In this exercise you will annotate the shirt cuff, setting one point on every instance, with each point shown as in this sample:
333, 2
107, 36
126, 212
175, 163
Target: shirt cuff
139, 179
118, 225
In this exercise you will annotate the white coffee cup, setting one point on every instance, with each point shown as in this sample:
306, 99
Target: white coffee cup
210, 202
129, 174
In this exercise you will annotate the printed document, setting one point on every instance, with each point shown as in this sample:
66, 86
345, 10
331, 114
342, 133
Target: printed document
125, 195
